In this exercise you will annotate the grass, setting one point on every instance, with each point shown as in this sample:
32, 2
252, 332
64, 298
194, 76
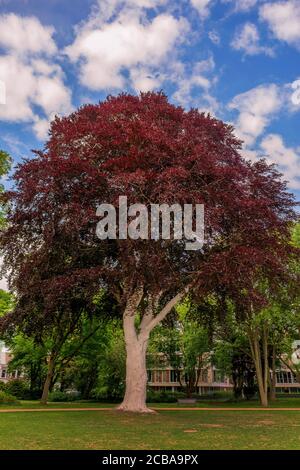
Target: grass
73, 404
278, 403
267, 429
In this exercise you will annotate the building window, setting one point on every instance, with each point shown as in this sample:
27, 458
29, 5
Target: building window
174, 376
3, 374
159, 376
285, 377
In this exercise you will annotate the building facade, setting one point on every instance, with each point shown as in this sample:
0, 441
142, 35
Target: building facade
5, 358
165, 378
212, 380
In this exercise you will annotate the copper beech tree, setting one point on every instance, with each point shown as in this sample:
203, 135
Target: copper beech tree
145, 148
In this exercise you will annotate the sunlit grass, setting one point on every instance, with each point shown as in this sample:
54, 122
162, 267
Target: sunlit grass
267, 429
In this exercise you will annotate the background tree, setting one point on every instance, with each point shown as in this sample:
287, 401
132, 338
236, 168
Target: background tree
267, 329
56, 338
232, 357
6, 302
183, 345
30, 359
292, 309
97, 369
112, 365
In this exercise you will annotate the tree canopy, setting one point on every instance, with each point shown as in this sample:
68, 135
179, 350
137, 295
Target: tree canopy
150, 151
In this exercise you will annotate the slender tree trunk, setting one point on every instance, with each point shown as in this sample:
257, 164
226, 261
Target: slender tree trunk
265, 361
188, 386
273, 376
48, 380
260, 368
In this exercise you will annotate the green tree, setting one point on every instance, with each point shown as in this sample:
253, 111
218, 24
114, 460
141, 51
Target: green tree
112, 364
184, 346
289, 357
31, 359
6, 302
232, 357
97, 369
54, 346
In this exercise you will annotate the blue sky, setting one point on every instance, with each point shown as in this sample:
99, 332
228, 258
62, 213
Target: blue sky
238, 59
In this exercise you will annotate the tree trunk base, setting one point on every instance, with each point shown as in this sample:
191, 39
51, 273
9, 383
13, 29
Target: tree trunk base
135, 409
264, 404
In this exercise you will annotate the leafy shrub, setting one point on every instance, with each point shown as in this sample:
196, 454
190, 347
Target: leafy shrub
18, 388
104, 394
2, 386
218, 395
7, 399
160, 397
58, 396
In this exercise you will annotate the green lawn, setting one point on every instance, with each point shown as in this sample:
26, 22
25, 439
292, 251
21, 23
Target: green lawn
267, 429
278, 403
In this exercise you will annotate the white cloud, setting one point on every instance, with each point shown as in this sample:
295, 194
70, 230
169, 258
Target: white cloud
245, 5
20, 84
34, 83
108, 8
2, 92
25, 34
214, 37
287, 158
247, 40
41, 127
242, 5
30, 84
256, 108
15, 145
51, 95
143, 80
193, 89
129, 42
202, 6
283, 19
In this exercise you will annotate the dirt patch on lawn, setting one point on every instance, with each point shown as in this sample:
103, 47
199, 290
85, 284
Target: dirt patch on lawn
210, 425
266, 422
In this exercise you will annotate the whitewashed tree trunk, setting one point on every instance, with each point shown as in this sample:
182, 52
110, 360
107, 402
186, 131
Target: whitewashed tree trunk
136, 376
136, 372
136, 349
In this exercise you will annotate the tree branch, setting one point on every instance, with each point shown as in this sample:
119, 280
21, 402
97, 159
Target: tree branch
167, 308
